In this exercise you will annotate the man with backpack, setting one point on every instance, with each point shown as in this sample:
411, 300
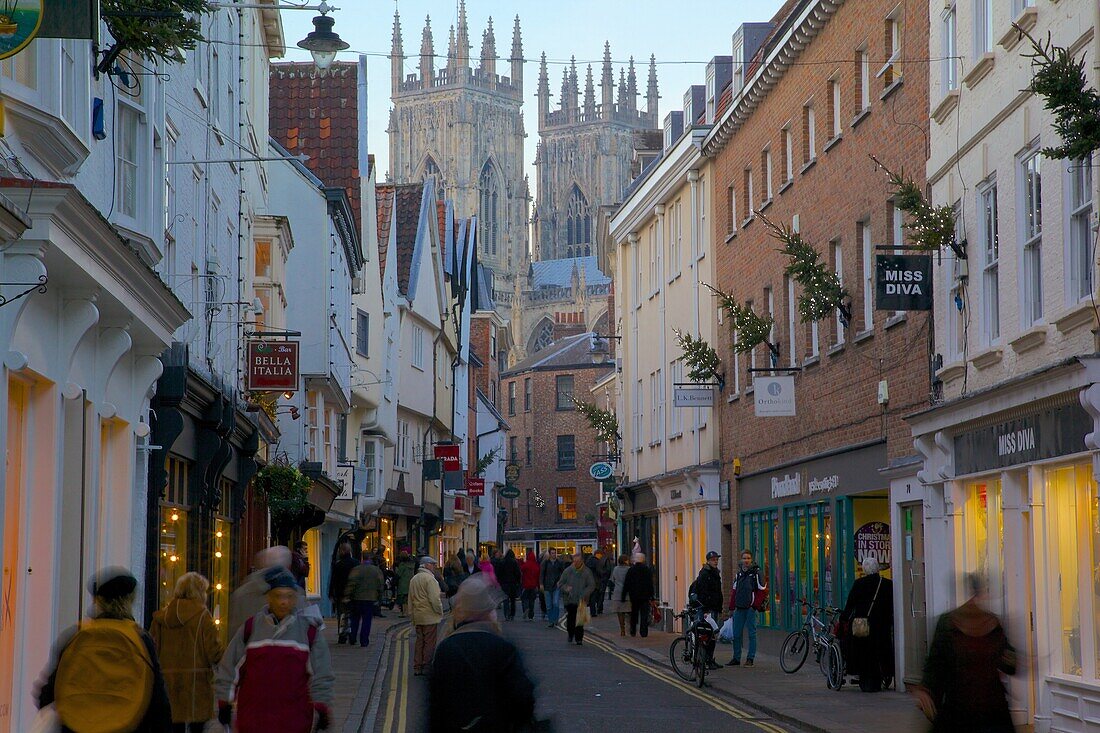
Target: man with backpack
745, 599
707, 590
277, 667
104, 674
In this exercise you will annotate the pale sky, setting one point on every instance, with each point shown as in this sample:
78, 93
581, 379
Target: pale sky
684, 35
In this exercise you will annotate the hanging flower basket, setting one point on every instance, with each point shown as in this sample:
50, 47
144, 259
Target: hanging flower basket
285, 489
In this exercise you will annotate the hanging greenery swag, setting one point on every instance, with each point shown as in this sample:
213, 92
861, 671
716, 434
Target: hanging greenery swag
930, 228
485, 461
602, 421
700, 357
821, 290
750, 330
153, 38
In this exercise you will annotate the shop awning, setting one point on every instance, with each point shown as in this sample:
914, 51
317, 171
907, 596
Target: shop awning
399, 502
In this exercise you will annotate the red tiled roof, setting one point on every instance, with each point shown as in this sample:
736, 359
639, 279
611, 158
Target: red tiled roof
316, 113
441, 209
383, 197
406, 218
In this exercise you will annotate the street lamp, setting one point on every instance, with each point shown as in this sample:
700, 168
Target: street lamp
321, 42
599, 350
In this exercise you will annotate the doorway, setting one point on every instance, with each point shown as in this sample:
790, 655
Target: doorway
10, 559
915, 609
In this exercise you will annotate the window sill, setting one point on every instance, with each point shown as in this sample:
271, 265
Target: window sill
1029, 340
654, 443
811, 361
951, 372
895, 320
765, 204
200, 92
1026, 20
733, 397
745, 222
836, 349
749, 390
674, 278
808, 165
674, 436
1075, 317
730, 237
979, 71
417, 368
946, 106
567, 468
786, 184
987, 358
47, 136
893, 87
864, 335
831, 142
861, 116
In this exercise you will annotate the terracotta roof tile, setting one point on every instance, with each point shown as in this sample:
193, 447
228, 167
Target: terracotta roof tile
406, 218
383, 196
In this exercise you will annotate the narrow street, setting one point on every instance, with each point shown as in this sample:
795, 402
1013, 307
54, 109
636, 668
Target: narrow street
591, 688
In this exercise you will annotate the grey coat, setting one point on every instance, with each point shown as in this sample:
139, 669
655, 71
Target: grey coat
576, 585
618, 603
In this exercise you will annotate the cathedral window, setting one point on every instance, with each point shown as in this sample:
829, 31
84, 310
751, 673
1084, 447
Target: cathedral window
489, 209
431, 170
578, 223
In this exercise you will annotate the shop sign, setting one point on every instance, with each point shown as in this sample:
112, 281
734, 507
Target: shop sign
1056, 431
693, 397
601, 471
787, 486
873, 540
511, 472
475, 486
272, 366
903, 282
449, 454
827, 484
774, 396
352, 480
510, 491
20, 22
432, 470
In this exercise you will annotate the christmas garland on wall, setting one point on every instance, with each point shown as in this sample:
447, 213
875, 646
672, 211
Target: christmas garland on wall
821, 290
930, 228
602, 421
1060, 80
700, 357
485, 461
156, 38
750, 330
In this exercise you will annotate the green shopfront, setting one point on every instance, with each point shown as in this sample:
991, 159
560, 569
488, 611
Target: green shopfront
810, 524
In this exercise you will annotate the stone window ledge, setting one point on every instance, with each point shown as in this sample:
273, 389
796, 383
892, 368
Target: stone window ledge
985, 359
894, 86
831, 142
946, 106
979, 71
864, 335
1076, 317
809, 164
1029, 340
861, 116
1026, 20
895, 319
786, 184
951, 372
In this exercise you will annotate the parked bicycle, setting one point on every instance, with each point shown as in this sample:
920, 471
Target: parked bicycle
816, 632
688, 652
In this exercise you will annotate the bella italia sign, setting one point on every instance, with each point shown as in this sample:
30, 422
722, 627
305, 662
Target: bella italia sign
272, 366
903, 282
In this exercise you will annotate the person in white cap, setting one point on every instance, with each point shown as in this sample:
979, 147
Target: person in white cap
426, 609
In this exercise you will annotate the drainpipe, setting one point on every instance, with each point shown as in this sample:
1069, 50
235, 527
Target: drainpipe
83, 495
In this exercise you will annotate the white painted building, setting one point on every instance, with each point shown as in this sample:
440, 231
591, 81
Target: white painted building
1008, 485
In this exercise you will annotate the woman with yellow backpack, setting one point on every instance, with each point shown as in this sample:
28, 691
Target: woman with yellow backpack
103, 676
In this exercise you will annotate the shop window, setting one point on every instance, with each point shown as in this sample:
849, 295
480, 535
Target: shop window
221, 562
983, 540
760, 536
173, 527
312, 538
567, 504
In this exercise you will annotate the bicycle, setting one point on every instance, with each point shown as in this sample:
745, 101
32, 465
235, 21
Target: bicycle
688, 652
815, 632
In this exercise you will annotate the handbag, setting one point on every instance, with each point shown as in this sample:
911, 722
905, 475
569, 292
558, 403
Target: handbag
655, 610
861, 625
582, 614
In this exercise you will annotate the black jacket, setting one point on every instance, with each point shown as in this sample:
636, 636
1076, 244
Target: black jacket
341, 569
508, 574
478, 684
550, 572
708, 589
638, 584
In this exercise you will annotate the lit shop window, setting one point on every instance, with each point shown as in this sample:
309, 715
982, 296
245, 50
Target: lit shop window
221, 561
173, 528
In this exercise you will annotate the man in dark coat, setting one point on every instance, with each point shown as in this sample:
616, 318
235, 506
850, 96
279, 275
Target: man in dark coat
549, 574
638, 587
600, 573
708, 592
871, 657
341, 568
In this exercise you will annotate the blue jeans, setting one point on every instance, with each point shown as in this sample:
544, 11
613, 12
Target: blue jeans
362, 613
744, 617
553, 605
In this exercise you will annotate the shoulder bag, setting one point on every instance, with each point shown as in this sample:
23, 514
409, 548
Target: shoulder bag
861, 625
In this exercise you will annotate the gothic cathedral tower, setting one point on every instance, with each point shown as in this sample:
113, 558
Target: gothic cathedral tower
464, 125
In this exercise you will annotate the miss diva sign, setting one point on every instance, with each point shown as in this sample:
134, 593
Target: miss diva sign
272, 366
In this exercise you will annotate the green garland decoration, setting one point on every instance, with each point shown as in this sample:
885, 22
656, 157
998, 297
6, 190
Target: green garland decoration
821, 290
284, 488
700, 357
485, 461
602, 421
156, 38
751, 329
930, 228
1060, 80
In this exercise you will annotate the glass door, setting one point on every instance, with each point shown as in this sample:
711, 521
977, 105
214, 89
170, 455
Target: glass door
914, 612
14, 468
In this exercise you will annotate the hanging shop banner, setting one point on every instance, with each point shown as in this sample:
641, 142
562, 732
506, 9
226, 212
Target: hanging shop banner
272, 366
774, 396
70, 19
693, 397
903, 282
449, 454
873, 540
601, 470
20, 21
510, 491
475, 486
432, 470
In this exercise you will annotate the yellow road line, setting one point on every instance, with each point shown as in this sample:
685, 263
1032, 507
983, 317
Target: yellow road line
694, 692
402, 721
396, 677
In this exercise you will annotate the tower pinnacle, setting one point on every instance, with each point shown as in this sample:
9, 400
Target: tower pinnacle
427, 55
607, 82
651, 95
631, 86
489, 50
589, 94
397, 55
517, 56
462, 49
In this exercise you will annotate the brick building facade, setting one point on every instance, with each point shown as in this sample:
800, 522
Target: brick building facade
792, 141
554, 446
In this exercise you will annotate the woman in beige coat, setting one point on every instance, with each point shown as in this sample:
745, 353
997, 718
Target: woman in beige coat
426, 609
188, 647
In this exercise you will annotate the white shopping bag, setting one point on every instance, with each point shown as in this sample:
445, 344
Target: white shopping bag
726, 633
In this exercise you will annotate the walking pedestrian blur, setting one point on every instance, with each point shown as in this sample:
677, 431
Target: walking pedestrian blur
600, 574
542, 596
961, 690
299, 563
277, 667
104, 674
549, 575
478, 683
337, 584
454, 573
251, 596
638, 587
188, 647
508, 573
473, 567
426, 609
742, 602
576, 584
529, 583
485, 566
404, 571
868, 646
363, 591
619, 603
389, 584
708, 592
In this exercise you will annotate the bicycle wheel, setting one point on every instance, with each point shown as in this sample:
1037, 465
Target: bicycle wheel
679, 653
699, 659
793, 653
832, 666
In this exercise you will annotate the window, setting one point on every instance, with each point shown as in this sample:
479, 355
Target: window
736, 359
892, 71
527, 394
703, 231
950, 49
675, 417
418, 347
215, 84
370, 463
493, 393
567, 454
567, 504
511, 398
489, 203
983, 539
770, 300
362, 333
864, 229
747, 193
809, 134
527, 450
863, 80
956, 300
752, 354
983, 27
658, 405
22, 68
1079, 241
173, 526
401, 449
991, 251
513, 454
637, 414
738, 66
652, 241
128, 184
731, 210
263, 258
1031, 225
766, 171
788, 154
675, 237
563, 385
578, 221
834, 107
838, 267
792, 321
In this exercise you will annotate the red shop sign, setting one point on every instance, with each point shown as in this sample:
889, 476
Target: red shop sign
449, 454
272, 366
475, 486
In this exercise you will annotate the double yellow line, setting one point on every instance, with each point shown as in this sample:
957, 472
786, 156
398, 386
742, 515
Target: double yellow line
676, 682
397, 714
